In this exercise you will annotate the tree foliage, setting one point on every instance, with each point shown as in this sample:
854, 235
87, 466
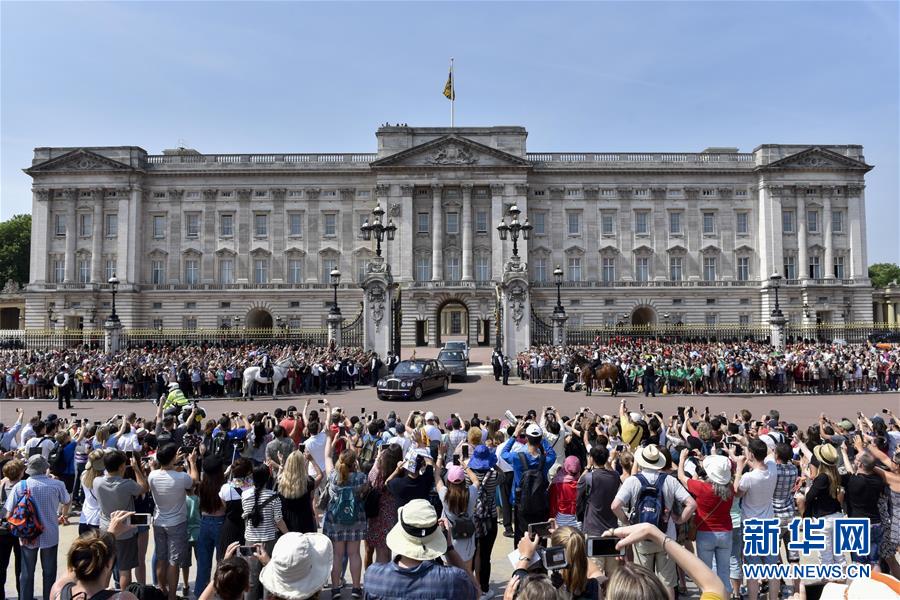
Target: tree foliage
882, 274
15, 249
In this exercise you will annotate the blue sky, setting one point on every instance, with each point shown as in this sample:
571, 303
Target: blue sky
303, 77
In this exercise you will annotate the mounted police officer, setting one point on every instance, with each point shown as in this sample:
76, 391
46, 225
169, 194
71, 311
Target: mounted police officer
596, 357
265, 367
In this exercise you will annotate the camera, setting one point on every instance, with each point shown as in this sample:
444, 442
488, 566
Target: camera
555, 558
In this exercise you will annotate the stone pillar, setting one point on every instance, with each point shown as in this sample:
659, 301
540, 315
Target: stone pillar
559, 327
40, 238
407, 222
112, 338
334, 328
279, 237
210, 221
123, 236
437, 234
827, 237
856, 227
879, 316
776, 331
516, 302
176, 209
378, 321
71, 234
313, 234
97, 237
891, 314
497, 213
802, 245
467, 233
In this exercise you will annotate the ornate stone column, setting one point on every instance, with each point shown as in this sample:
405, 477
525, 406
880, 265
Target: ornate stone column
408, 221
515, 298
497, 212
40, 234
334, 329
71, 234
802, 244
378, 296
123, 237
97, 236
173, 269
243, 236
437, 234
313, 240
279, 238
879, 316
210, 219
559, 327
891, 314
827, 237
467, 232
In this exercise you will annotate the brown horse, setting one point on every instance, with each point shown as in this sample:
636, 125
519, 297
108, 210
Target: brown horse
605, 373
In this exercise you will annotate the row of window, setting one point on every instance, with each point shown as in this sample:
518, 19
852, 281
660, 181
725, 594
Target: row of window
260, 270
814, 267
260, 225
82, 269
541, 269
642, 223
813, 221
86, 225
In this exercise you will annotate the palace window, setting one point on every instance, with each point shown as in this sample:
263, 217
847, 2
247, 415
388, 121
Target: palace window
482, 266
295, 224
481, 221
790, 267
711, 319
540, 223
295, 271
574, 268
743, 320
330, 224
157, 272
573, 218
742, 223
329, 264
226, 225
539, 269
607, 224
112, 225
812, 221
110, 268
743, 268
84, 270
709, 268
58, 271
815, 268
85, 224
675, 222
787, 221
676, 272
423, 267
226, 271
838, 267
709, 223
260, 225
423, 221
837, 221
59, 227
159, 226
607, 269
642, 268
192, 271
452, 223
192, 225
261, 270
642, 222
451, 267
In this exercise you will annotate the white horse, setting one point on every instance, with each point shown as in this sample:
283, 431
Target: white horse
251, 375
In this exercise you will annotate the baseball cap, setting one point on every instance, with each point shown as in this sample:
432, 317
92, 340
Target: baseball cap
534, 430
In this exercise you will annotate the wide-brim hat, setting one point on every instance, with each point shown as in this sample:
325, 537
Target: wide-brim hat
37, 465
649, 457
300, 566
482, 458
718, 469
826, 453
417, 534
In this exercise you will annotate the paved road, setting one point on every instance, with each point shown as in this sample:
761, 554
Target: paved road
481, 394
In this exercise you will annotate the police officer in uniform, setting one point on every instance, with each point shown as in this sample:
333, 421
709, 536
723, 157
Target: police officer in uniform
63, 388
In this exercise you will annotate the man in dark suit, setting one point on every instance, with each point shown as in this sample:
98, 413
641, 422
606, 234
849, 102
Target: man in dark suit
497, 364
649, 380
505, 371
375, 365
392, 361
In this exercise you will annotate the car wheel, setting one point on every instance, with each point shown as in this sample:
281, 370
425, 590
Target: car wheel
381, 396
446, 385
417, 392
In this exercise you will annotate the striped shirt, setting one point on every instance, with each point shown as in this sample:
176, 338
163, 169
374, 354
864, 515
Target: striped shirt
47, 495
271, 514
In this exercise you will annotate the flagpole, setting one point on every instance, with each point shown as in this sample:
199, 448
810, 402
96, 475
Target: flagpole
452, 93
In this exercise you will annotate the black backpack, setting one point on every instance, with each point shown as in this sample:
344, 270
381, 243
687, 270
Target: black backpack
222, 447
57, 458
532, 497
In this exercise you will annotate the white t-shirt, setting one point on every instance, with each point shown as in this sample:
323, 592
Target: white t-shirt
169, 489
128, 441
316, 447
759, 489
45, 443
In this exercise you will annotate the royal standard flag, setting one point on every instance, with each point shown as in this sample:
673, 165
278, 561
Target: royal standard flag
449, 92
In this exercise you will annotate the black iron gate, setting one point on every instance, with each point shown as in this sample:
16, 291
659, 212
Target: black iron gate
398, 323
498, 321
352, 333
541, 332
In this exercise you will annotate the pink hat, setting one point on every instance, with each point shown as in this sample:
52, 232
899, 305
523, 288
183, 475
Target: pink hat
572, 465
456, 474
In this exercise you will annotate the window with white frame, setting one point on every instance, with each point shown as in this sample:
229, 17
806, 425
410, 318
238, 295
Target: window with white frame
295, 270
452, 223
742, 223
451, 267
191, 271
711, 319
423, 267
709, 223
573, 218
226, 225
157, 323
838, 267
295, 224
59, 225
362, 267
58, 270
709, 268
676, 270
159, 226
111, 227
192, 225
481, 221
642, 222
607, 223
330, 227
607, 269
85, 224
815, 267
260, 225
84, 270
157, 272
260, 270
540, 222
642, 268
787, 221
226, 271
110, 268
423, 222
329, 264
790, 267
743, 320
837, 221
812, 221
539, 269
675, 222
743, 268
190, 322
482, 266
574, 268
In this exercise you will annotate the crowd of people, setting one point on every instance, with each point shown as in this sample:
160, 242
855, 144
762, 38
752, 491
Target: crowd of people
652, 366
314, 502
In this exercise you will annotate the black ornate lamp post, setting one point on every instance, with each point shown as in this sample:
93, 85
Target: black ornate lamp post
113, 285
378, 228
776, 278
558, 278
514, 229
335, 276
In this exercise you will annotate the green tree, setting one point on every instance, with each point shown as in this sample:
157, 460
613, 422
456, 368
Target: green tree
882, 274
15, 249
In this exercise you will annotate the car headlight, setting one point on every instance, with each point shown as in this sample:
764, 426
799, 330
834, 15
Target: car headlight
381, 382
405, 384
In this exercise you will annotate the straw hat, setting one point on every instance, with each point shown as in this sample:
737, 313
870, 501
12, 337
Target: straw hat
649, 457
300, 566
826, 453
416, 533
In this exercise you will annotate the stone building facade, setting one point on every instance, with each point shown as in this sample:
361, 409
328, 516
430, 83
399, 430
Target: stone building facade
206, 240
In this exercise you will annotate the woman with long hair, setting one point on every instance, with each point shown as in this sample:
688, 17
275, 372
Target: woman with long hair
483, 464
90, 508
257, 440
381, 523
714, 495
458, 497
263, 521
296, 488
824, 497
581, 578
345, 518
240, 479
212, 517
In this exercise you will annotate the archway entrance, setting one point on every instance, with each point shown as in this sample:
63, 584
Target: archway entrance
453, 322
9, 318
643, 315
259, 318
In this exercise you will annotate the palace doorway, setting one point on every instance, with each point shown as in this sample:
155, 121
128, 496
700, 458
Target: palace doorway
643, 315
453, 322
259, 318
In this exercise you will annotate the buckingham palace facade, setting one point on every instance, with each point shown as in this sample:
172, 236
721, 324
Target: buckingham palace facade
217, 240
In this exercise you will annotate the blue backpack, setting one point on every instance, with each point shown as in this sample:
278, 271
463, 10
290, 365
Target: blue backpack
24, 522
651, 503
343, 505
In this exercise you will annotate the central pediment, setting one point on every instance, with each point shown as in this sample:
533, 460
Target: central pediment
452, 151
78, 161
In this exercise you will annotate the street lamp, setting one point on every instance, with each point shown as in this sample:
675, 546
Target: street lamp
558, 278
335, 276
378, 228
113, 284
776, 278
514, 229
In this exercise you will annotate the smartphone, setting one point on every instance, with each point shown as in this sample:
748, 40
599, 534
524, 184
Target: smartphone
139, 519
884, 410
465, 452
73, 414
246, 550
129, 454
186, 449
374, 414
510, 417
681, 413
814, 590
555, 558
362, 410
40, 414
97, 423
475, 415
542, 529
420, 463
603, 546
641, 406
738, 449
321, 400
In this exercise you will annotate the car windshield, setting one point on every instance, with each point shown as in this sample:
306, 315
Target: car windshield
409, 368
455, 345
450, 355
